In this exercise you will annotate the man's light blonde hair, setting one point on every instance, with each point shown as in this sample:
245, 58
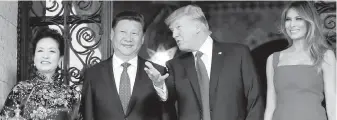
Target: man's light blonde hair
192, 11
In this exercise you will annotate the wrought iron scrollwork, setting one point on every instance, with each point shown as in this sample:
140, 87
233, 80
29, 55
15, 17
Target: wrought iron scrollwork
84, 5
89, 40
86, 36
75, 73
81, 25
53, 7
92, 60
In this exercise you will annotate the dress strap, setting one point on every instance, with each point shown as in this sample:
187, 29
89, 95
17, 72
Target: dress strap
276, 57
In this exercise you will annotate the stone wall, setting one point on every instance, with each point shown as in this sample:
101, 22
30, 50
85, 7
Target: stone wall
8, 47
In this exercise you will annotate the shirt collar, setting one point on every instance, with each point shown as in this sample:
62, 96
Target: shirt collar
117, 62
42, 77
206, 47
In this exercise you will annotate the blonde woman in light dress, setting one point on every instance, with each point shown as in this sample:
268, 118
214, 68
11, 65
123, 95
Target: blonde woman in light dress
302, 76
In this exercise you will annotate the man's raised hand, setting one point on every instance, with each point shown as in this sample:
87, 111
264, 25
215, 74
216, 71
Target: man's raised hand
155, 75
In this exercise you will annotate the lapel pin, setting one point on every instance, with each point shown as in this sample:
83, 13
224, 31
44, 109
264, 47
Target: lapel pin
219, 53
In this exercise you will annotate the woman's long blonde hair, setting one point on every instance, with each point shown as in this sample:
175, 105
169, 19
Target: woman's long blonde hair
315, 40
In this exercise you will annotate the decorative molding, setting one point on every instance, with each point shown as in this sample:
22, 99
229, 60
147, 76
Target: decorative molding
23, 41
327, 10
18, 70
106, 18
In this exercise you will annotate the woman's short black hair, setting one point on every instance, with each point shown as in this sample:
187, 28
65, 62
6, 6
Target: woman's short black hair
48, 33
129, 15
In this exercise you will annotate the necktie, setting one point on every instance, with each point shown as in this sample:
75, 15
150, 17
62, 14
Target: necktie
124, 87
204, 86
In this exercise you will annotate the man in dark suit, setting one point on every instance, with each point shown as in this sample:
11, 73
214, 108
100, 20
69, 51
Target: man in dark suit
119, 88
212, 80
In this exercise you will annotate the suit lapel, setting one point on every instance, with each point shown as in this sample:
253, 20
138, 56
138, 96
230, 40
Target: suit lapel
189, 65
108, 76
139, 81
217, 65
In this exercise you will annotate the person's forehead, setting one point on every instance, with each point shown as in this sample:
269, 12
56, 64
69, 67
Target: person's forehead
292, 11
47, 43
128, 23
174, 23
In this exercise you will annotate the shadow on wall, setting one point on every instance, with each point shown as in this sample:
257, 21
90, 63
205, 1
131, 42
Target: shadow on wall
260, 55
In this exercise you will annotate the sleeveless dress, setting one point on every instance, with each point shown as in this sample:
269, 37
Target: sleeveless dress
299, 92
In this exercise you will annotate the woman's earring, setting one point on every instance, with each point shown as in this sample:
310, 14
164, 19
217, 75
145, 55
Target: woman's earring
59, 71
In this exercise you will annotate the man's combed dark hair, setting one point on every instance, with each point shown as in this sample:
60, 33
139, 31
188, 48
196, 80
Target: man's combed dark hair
129, 15
48, 33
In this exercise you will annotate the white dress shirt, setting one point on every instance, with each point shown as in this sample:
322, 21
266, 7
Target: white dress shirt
118, 69
206, 48
132, 71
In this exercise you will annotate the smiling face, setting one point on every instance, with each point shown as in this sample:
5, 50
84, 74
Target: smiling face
295, 25
47, 55
184, 31
127, 38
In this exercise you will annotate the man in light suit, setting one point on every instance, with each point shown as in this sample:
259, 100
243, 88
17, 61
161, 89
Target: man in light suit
212, 80
118, 88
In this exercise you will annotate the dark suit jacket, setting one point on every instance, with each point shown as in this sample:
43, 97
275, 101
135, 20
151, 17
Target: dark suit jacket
234, 88
101, 100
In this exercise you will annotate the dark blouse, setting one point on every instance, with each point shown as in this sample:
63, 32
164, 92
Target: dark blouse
39, 99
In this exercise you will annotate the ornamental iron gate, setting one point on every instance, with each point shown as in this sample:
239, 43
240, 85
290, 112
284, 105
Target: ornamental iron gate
83, 24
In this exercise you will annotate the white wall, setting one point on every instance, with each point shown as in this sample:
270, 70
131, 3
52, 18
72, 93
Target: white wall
8, 47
